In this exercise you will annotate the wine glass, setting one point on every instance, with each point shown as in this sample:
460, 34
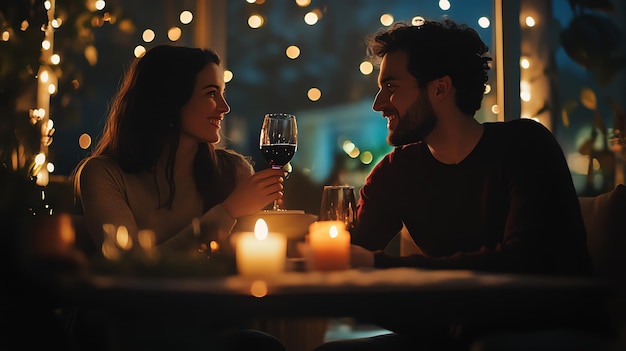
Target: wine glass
278, 141
339, 204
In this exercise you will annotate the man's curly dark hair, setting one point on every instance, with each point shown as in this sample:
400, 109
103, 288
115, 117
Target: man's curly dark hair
437, 49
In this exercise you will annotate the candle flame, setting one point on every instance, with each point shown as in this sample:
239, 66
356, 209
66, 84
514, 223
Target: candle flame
260, 229
333, 231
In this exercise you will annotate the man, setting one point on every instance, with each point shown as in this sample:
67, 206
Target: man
490, 197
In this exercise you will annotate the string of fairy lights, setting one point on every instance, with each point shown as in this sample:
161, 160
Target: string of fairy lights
48, 80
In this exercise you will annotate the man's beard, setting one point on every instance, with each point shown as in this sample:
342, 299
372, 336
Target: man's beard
415, 124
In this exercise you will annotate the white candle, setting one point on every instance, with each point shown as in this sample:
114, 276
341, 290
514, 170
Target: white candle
260, 253
330, 245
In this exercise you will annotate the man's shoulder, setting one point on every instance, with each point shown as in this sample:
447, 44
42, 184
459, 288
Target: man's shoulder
517, 126
519, 131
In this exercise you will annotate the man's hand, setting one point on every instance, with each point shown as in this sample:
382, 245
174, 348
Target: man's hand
361, 257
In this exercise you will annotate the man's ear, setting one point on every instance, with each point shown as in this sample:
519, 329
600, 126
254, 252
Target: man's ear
442, 86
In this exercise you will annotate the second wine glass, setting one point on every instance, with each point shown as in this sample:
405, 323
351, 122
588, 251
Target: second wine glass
279, 140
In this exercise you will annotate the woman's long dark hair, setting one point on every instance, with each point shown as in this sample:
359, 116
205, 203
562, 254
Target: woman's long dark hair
144, 120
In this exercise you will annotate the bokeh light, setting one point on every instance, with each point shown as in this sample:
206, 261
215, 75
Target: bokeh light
174, 33
314, 94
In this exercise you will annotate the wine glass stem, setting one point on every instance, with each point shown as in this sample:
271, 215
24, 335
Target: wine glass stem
276, 207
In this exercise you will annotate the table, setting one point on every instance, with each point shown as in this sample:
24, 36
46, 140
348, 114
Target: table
125, 304
448, 295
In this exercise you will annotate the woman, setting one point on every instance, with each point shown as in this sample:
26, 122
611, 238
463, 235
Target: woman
157, 167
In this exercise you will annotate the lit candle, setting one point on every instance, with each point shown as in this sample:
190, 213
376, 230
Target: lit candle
330, 245
260, 253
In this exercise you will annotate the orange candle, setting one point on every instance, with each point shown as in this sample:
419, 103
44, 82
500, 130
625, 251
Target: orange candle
330, 245
260, 253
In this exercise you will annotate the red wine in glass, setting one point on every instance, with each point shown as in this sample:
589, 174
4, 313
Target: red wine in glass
278, 155
279, 140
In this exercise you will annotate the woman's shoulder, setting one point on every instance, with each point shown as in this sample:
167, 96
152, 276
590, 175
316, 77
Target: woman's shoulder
100, 162
98, 166
234, 159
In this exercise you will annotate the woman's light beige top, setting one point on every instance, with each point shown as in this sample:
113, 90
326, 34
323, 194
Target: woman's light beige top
112, 196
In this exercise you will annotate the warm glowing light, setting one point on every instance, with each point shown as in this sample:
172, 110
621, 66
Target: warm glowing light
386, 20
91, 55
487, 89
260, 229
50, 167
354, 153
148, 35
139, 51
418, 21
126, 25
366, 157
258, 288
174, 33
44, 76
444, 4
146, 239
311, 18
303, 3
332, 232
495, 109
40, 159
366, 67
84, 141
24, 25
55, 59
122, 238
214, 245
52, 89
109, 251
348, 146
292, 52
524, 62
255, 21
530, 21
484, 22
314, 94
46, 44
56, 23
100, 4
228, 76
186, 17
6, 35
107, 17
589, 99
43, 179
50, 124
250, 1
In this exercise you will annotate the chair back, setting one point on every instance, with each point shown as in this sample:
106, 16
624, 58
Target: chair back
605, 221
604, 216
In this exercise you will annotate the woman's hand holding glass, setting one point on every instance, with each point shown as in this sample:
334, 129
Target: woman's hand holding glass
251, 196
